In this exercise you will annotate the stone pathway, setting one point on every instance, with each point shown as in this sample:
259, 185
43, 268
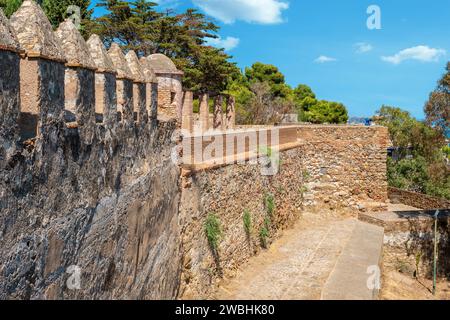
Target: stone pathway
297, 266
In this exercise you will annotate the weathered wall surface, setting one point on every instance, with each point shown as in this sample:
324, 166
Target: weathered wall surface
170, 93
325, 167
417, 200
109, 208
9, 97
347, 165
227, 192
409, 243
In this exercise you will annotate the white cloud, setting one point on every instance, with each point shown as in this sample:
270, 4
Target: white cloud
258, 11
419, 53
362, 47
229, 43
324, 59
166, 4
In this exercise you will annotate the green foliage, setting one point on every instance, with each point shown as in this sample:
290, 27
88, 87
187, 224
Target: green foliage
269, 203
302, 92
421, 164
446, 151
437, 108
418, 259
10, 6
260, 72
247, 222
55, 10
408, 174
182, 37
213, 231
306, 175
263, 236
303, 190
325, 112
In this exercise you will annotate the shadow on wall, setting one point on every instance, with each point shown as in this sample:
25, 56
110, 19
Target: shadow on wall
420, 244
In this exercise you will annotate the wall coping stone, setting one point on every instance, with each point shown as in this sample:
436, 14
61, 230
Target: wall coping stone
8, 40
135, 67
120, 62
35, 34
74, 47
150, 75
163, 65
100, 56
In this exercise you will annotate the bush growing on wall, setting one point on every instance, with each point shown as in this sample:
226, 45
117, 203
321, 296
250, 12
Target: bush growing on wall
247, 222
213, 231
263, 235
269, 202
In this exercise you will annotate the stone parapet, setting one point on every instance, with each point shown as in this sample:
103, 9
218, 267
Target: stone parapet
417, 200
41, 71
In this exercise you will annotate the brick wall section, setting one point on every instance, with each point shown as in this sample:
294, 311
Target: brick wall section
417, 200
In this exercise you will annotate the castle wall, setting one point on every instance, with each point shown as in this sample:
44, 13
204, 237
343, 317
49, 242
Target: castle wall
125, 104
139, 101
417, 200
80, 100
88, 210
338, 168
10, 94
105, 98
94, 205
170, 95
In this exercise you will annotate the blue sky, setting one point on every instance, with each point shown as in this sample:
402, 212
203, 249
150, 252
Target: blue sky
327, 45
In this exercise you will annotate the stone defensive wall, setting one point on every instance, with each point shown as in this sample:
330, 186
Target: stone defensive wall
319, 168
107, 181
88, 189
417, 200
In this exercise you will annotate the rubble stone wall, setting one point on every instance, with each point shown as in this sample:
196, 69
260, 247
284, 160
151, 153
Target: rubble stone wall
87, 210
417, 200
327, 168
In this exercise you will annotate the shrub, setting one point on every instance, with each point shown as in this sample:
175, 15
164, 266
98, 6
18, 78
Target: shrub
263, 235
306, 175
213, 231
303, 190
247, 222
269, 202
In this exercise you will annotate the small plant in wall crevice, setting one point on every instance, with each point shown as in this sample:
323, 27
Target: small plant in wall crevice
247, 222
269, 202
213, 231
263, 235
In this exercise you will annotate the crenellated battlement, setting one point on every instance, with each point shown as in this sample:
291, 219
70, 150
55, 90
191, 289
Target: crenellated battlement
95, 175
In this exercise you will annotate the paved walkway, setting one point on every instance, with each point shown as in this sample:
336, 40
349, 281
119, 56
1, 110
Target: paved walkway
298, 266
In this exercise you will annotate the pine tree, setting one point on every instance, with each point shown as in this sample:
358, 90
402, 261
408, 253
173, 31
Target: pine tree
57, 11
182, 37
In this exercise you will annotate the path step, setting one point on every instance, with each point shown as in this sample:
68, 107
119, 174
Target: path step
349, 278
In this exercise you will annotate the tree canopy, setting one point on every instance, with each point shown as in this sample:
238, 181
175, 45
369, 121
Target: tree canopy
261, 92
420, 164
437, 109
182, 37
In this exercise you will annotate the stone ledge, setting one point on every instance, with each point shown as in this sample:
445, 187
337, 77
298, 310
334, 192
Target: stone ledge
402, 221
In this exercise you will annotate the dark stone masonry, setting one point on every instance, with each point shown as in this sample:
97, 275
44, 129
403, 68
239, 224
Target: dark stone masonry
95, 199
